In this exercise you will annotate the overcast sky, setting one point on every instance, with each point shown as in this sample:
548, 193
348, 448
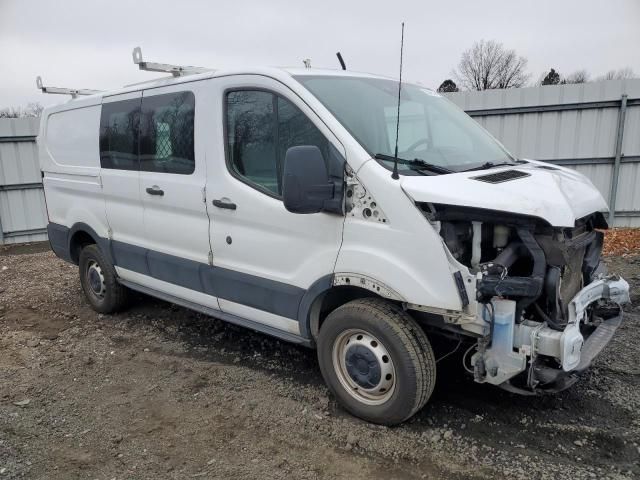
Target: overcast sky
88, 43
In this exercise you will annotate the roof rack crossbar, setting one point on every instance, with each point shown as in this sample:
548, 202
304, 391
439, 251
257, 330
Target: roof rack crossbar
74, 92
175, 70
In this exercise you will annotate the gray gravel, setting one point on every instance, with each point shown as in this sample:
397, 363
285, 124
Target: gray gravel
162, 392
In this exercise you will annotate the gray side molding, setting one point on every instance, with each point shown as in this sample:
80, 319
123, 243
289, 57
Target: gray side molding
270, 296
227, 317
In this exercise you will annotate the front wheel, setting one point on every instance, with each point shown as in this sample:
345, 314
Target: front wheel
99, 283
376, 360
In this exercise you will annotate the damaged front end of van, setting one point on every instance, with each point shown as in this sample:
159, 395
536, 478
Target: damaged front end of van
534, 291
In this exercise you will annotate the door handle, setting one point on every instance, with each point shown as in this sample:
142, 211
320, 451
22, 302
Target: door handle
225, 204
155, 190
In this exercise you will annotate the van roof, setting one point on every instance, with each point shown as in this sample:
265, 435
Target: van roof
279, 73
269, 71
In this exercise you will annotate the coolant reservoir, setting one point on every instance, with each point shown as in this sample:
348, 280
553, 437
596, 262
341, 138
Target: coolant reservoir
504, 313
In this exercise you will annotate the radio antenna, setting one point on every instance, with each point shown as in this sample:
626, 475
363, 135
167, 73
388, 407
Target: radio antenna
339, 55
395, 175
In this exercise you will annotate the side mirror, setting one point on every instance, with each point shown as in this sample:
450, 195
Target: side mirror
306, 185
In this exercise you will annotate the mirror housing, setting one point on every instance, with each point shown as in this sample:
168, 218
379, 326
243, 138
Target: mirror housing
306, 186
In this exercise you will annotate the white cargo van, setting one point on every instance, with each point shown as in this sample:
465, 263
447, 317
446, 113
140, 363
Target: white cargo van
266, 198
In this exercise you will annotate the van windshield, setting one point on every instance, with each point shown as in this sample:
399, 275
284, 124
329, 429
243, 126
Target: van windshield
432, 129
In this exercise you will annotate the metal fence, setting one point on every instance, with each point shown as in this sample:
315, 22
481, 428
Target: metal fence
593, 128
23, 216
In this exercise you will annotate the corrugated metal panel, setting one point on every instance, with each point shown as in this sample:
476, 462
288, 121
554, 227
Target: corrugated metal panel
23, 216
574, 125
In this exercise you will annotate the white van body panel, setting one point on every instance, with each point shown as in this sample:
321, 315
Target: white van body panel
405, 253
297, 254
267, 240
76, 199
559, 196
121, 190
70, 164
71, 140
260, 239
177, 223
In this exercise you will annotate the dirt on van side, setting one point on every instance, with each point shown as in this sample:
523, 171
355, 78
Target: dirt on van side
159, 391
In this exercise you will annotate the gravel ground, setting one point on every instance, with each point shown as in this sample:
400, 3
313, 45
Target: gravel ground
162, 392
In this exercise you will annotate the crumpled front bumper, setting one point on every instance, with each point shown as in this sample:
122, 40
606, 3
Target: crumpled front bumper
555, 380
578, 345
574, 349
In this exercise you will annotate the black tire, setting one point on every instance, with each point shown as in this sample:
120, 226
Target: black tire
110, 296
407, 345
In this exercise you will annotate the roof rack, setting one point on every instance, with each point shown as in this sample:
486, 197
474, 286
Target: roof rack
74, 92
175, 70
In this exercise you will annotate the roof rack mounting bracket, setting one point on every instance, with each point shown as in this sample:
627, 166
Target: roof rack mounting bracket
74, 92
175, 70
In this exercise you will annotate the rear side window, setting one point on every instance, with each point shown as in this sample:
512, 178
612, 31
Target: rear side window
167, 133
261, 127
119, 126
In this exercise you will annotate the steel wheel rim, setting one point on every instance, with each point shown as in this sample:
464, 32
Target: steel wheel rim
364, 367
95, 280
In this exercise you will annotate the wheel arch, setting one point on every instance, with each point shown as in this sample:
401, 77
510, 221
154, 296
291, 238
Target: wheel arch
80, 235
333, 291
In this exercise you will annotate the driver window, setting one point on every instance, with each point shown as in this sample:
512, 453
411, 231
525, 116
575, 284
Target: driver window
261, 127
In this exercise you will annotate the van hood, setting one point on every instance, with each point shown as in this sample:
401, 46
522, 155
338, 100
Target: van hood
556, 194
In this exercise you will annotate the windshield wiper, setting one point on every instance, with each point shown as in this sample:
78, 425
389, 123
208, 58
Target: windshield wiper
416, 163
487, 165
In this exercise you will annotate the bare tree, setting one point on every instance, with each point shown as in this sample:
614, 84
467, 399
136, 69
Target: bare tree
488, 65
620, 74
9, 112
579, 76
582, 76
31, 110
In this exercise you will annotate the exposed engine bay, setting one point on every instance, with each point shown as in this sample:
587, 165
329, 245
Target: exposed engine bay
544, 301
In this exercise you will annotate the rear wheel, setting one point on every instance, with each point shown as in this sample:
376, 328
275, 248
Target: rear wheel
99, 283
376, 360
